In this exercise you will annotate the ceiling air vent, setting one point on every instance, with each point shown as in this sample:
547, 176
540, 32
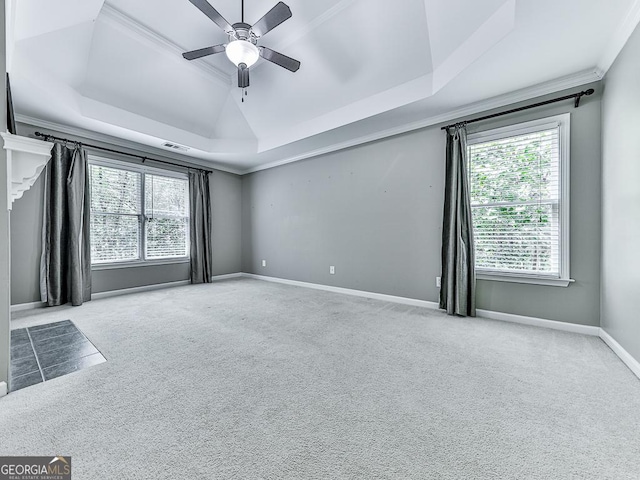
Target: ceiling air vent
175, 146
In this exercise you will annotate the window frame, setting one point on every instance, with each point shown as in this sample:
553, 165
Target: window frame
141, 261
563, 123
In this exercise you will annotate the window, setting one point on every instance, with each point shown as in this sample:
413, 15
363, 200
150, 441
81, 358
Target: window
519, 186
137, 214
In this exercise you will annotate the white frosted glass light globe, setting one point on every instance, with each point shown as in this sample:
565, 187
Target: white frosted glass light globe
242, 51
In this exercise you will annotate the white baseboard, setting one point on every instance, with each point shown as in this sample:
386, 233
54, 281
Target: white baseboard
505, 317
27, 306
3, 389
144, 288
217, 278
125, 291
625, 356
540, 322
347, 291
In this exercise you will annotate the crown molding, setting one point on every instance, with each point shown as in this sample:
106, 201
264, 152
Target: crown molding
119, 142
620, 37
159, 43
578, 79
563, 83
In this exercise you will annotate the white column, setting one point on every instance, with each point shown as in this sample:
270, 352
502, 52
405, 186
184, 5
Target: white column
5, 252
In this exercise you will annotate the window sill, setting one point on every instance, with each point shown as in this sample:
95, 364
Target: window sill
505, 277
138, 263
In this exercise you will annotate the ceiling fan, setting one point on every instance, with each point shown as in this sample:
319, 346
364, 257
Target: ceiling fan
243, 49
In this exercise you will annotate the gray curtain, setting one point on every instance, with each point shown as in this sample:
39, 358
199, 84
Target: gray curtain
200, 212
65, 269
458, 283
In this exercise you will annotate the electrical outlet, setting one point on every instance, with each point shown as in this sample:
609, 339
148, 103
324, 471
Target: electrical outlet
438, 282
332, 270
264, 263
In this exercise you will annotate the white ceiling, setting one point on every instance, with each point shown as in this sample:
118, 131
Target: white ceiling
369, 68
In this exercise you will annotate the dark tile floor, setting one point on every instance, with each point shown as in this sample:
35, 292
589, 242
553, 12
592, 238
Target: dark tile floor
48, 351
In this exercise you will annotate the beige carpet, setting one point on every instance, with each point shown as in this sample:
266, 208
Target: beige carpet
247, 379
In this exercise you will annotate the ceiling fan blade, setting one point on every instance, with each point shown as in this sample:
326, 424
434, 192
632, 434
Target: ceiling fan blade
243, 76
272, 19
203, 52
206, 8
279, 59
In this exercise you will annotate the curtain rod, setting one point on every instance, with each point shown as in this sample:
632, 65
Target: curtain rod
48, 138
577, 97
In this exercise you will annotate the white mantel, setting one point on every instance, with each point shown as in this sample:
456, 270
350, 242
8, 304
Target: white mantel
26, 158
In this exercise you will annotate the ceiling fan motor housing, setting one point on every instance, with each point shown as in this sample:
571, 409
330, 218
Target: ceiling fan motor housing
242, 31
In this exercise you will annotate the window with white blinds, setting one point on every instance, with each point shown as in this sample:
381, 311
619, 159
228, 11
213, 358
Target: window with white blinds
137, 214
167, 215
518, 181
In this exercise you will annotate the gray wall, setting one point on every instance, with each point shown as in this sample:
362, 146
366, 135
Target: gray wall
5, 257
375, 213
27, 244
226, 210
621, 198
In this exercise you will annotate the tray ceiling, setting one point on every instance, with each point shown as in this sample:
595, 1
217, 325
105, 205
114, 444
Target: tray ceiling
115, 67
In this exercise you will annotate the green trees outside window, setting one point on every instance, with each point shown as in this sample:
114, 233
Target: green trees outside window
515, 197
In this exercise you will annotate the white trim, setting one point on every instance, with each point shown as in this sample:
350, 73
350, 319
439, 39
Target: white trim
626, 357
26, 159
532, 280
143, 288
563, 123
19, 307
620, 37
3, 389
516, 129
228, 276
564, 130
143, 218
84, 134
138, 263
159, 43
26, 144
115, 293
540, 322
347, 291
547, 88
505, 317
570, 81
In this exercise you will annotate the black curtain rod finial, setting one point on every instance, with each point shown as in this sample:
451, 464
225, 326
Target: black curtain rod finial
579, 96
575, 96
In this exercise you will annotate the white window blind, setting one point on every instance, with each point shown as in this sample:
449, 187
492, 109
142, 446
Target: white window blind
116, 206
137, 215
167, 214
516, 194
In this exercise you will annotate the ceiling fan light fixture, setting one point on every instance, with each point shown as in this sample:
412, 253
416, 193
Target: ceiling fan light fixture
242, 51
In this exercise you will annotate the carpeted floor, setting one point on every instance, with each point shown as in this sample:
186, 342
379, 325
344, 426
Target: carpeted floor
247, 379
